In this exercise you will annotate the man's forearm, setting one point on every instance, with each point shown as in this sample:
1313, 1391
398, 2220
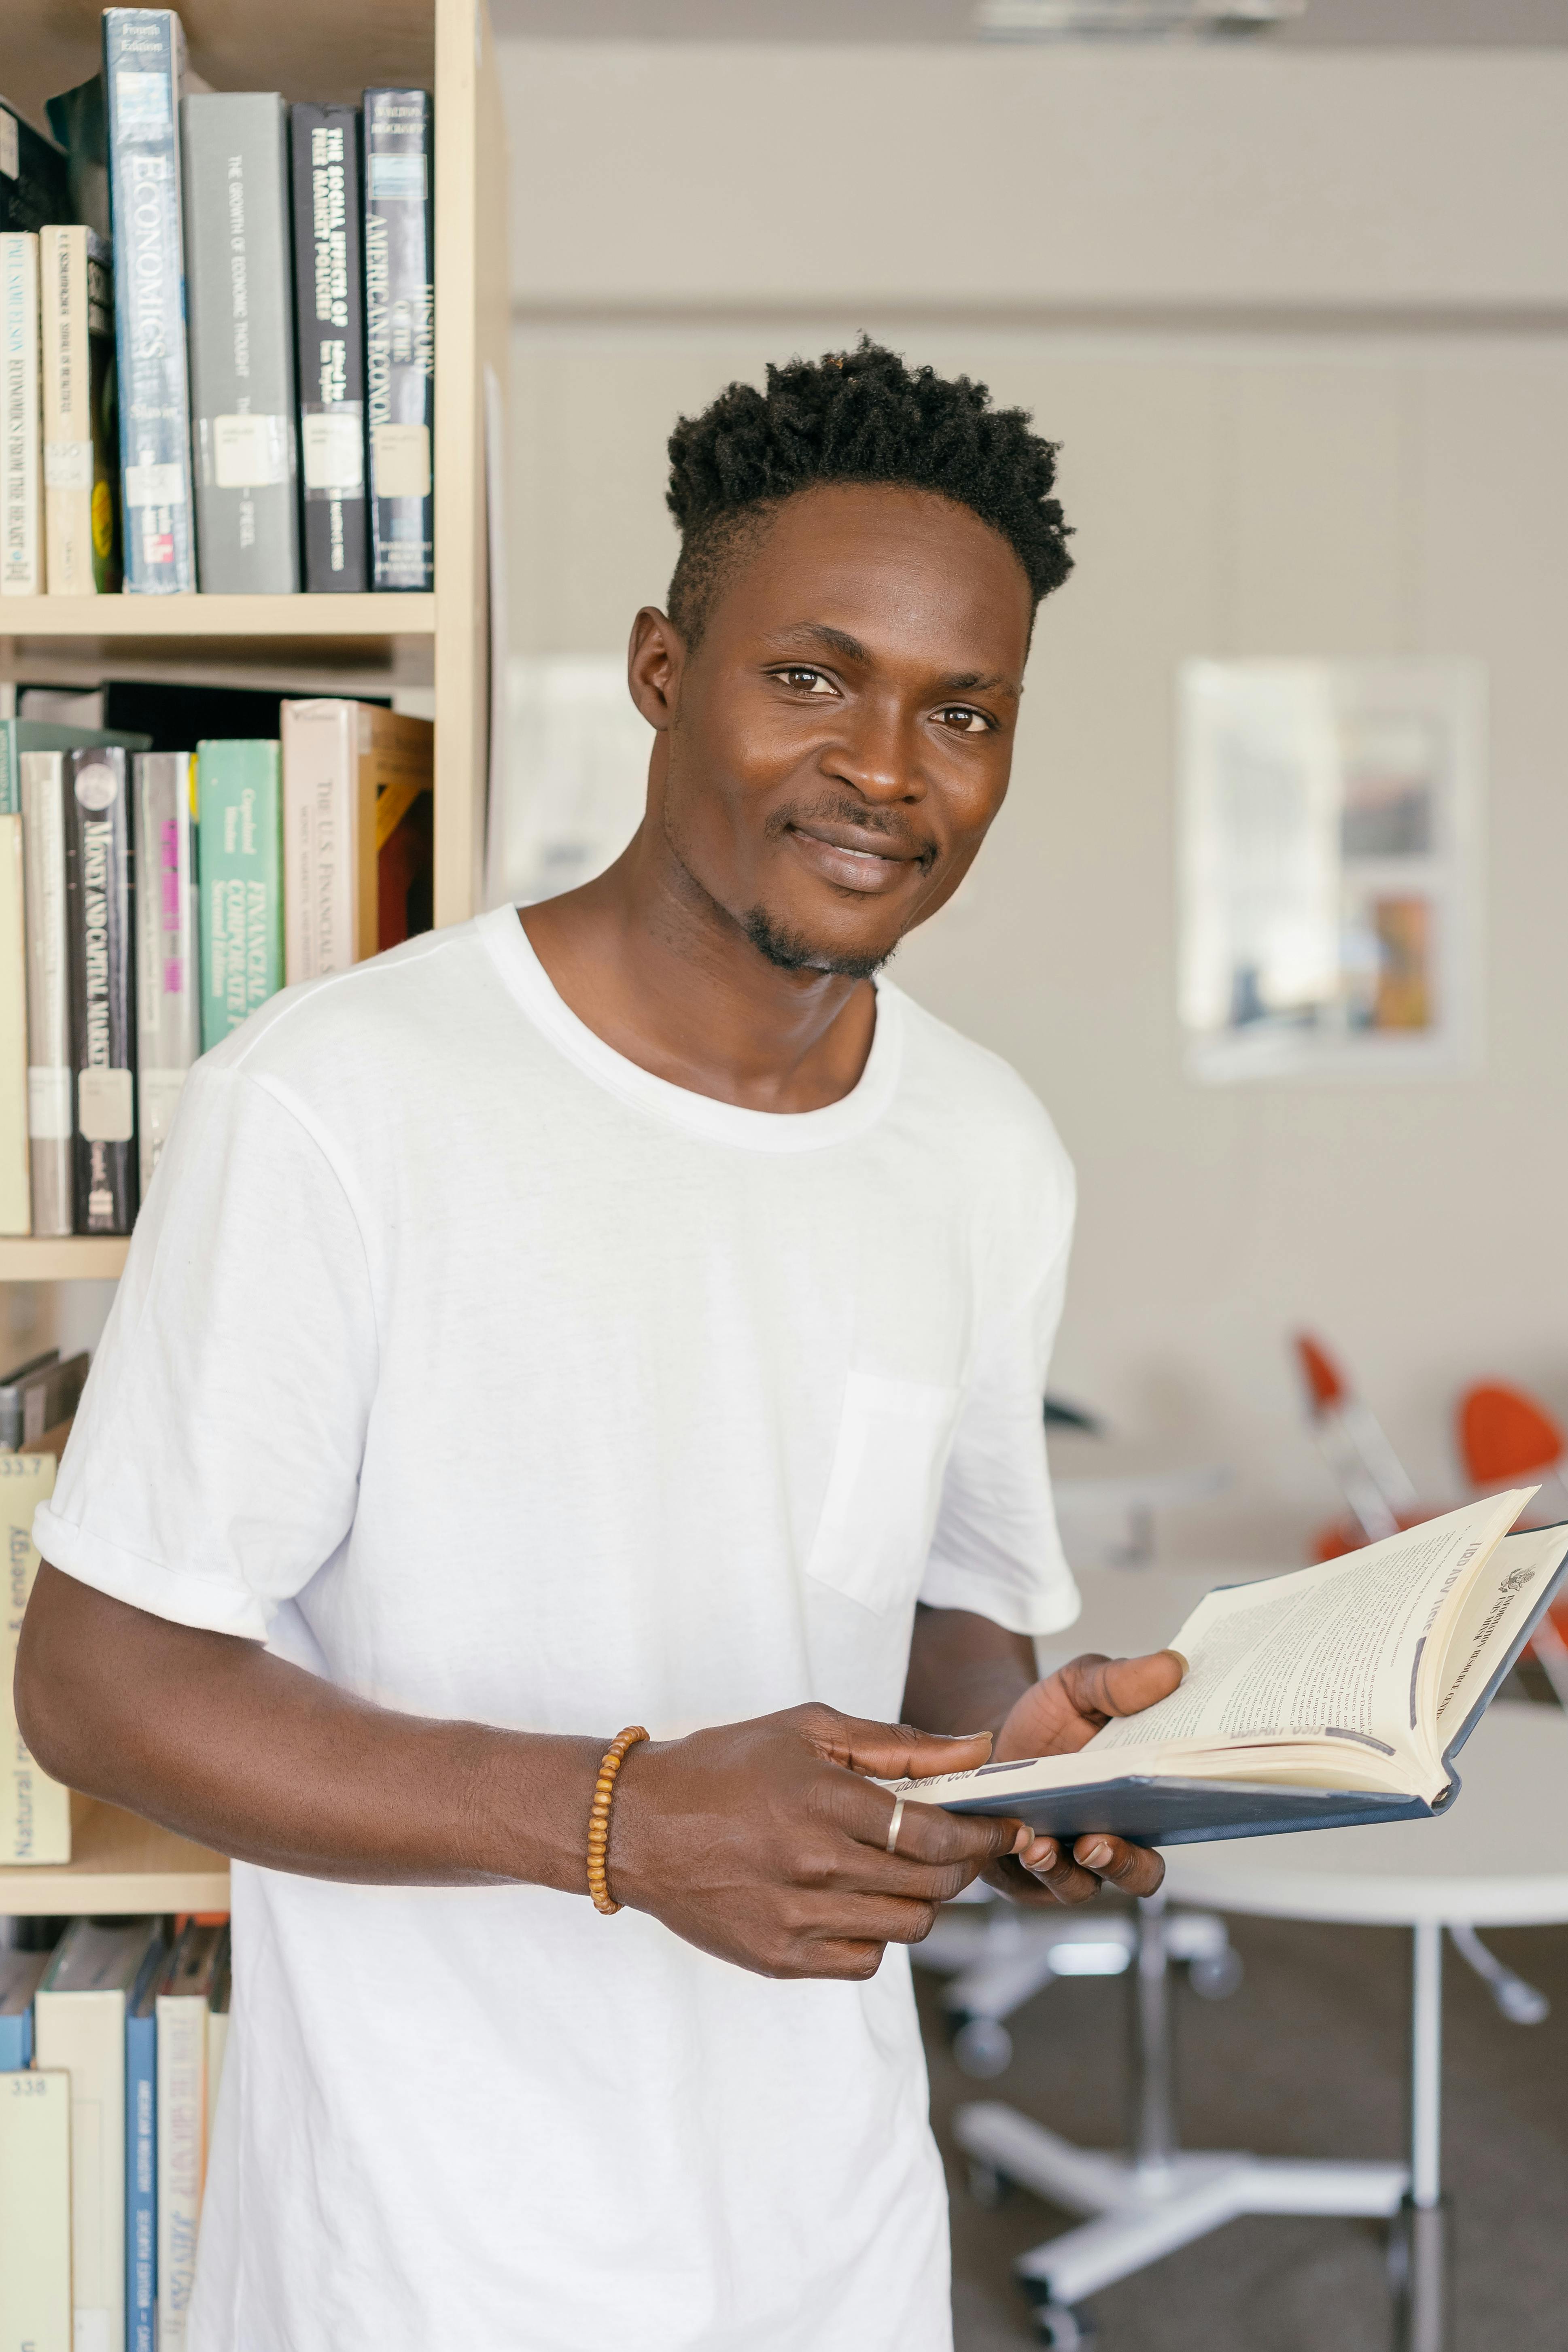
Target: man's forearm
212, 1736
966, 1674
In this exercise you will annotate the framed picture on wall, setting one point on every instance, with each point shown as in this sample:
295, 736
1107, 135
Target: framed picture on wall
1329, 883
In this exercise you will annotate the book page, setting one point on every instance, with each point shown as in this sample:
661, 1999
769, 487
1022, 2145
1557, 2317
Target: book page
1332, 1653
1492, 1614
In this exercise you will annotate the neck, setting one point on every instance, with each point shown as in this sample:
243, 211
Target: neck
664, 975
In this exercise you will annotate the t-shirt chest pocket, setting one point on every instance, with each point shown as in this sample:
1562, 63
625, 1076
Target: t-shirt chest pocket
883, 1489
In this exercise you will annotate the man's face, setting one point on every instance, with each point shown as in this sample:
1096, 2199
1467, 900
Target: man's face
842, 736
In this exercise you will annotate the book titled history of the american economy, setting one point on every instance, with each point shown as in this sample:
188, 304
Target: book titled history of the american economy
1336, 1694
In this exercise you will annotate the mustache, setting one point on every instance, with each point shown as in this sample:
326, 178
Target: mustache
880, 825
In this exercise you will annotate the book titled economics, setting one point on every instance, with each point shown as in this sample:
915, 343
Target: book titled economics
1340, 1694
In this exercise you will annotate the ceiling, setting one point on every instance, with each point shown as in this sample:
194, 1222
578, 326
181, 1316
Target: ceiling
1331, 24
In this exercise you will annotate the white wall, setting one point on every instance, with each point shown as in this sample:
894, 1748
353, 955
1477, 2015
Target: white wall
1309, 492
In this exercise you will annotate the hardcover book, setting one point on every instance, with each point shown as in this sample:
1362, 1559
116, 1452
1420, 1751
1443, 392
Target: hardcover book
35, 1812
1342, 1694
33, 179
82, 458
184, 1994
36, 2211
21, 543
143, 65
242, 342
168, 1012
239, 833
16, 1189
20, 1974
400, 299
141, 2155
103, 1036
329, 297
79, 2026
354, 776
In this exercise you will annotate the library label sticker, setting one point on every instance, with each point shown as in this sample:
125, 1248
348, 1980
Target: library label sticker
332, 444
400, 455
106, 1106
149, 485
248, 453
49, 1105
67, 464
97, 785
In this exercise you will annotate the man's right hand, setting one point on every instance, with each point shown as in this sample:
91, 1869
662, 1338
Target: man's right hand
761, 1842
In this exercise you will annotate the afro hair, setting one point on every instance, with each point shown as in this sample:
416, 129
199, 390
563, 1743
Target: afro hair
854, 416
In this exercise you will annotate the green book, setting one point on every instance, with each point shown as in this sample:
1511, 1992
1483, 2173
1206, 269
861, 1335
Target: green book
239, 855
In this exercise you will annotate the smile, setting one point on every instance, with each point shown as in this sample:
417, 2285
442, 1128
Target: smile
851, 868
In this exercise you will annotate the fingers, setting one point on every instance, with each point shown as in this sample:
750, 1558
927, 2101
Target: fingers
1133, 1869
1046, 1869
1108, 1686
891, 1752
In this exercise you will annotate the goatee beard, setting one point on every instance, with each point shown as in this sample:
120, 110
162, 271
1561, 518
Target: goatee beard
792, 951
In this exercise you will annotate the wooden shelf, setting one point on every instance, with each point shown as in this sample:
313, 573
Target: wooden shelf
94, 1257
354, 619
122, 1864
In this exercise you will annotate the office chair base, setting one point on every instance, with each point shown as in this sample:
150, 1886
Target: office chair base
1142, 2211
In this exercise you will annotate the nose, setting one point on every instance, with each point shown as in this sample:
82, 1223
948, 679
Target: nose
878, 756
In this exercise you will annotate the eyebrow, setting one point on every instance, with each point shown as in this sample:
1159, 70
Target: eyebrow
816, 634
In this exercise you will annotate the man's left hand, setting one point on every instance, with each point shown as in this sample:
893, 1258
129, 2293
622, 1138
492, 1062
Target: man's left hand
1054, 1717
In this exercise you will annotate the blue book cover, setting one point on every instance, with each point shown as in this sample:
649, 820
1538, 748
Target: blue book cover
141, 2155
143, 66
19, 1975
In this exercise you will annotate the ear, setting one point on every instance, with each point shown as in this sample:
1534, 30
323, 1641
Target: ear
655, 660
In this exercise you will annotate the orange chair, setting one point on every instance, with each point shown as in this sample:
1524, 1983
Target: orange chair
1508, 1439
1370, 1477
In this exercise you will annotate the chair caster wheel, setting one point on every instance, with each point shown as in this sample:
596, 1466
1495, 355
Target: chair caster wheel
1066, 2329
989, 2189
983, 2047
1217, 1977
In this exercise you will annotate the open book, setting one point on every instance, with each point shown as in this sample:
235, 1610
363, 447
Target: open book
1338, 1694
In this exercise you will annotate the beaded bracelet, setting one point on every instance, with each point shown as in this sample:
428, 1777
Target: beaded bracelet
599, 1817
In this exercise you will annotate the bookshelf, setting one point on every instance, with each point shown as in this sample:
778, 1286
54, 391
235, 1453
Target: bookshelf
311, 644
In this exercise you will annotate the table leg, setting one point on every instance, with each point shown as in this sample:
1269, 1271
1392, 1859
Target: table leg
1423, 2312
1153, 2134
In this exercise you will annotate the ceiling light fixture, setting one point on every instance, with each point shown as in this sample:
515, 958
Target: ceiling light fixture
1136, 20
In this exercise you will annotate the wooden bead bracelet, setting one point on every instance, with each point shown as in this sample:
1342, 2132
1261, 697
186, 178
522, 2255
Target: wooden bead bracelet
599, 1817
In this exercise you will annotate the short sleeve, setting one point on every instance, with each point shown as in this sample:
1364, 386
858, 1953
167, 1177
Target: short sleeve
214, 1466
996, 1549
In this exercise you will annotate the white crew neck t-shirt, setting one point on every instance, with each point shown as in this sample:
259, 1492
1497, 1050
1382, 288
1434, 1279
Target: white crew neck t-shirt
488, 1375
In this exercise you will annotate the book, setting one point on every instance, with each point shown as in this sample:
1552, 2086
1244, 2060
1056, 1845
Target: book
33, 182
185, 1995
79, 2025
81, 455
353, 772
141, 2155
1340, 1694
35, 2212
39, 1396
15, 1184
20, 1974
399, 315
51, 1093
103, 1037
329, 325
238, 248
79, 118
35, 1812
143, 65
239, 860
21, 541
219, 2004
168, 1011
150, 714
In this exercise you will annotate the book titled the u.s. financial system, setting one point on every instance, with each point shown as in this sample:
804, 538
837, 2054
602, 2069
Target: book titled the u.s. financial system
1341, 1693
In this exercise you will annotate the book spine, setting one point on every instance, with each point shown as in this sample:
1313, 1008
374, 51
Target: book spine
97, 892
400, 311
36, 2204
50, 1095
21, 555
168, 1014
319, 780
35, 1812
239, 859
15, 1191
104, 414
140, 2181
143, 61
181, 2120
67, 412
34, 178
328, 295
16, 2045
242, 342
84, 2033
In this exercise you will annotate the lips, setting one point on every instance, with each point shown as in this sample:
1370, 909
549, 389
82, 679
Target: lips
842, 855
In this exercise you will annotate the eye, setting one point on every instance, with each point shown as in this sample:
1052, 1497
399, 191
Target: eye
964, 719
805, 679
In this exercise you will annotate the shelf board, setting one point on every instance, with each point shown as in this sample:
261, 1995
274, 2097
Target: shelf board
90, 1257
354, 619
121, 1863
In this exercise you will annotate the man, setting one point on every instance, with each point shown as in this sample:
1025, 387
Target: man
632, 1315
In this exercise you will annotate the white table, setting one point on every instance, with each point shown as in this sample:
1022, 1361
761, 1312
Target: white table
1499, 1858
